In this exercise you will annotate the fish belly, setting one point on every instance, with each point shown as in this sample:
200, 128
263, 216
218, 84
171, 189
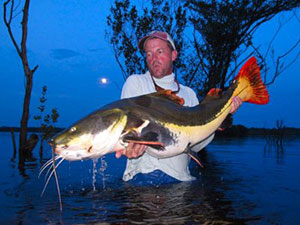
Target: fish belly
185, 136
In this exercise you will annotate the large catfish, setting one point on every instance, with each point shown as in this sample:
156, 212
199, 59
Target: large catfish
157, 120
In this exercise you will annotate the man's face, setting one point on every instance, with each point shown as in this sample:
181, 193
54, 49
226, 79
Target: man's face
159, 57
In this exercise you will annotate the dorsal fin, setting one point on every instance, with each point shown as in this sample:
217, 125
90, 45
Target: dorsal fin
213, 94
168, 94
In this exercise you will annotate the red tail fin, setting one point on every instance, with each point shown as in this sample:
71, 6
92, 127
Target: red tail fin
250, 85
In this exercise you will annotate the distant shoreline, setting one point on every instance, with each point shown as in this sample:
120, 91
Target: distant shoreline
29, 129
234, 131
240, 131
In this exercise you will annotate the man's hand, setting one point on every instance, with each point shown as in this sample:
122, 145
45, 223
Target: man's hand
133, 150
236, 103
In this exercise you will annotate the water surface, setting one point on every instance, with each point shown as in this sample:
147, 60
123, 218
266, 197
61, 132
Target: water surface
242, 183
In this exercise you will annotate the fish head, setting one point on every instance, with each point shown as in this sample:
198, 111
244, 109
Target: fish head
91, 137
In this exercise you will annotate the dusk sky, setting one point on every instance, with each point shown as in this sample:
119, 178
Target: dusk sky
67, 40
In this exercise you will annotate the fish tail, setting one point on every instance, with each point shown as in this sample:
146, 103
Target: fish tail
250, 87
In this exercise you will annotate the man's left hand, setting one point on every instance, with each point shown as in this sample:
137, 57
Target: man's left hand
133, 150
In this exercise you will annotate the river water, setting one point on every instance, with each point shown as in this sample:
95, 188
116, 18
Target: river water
243, 182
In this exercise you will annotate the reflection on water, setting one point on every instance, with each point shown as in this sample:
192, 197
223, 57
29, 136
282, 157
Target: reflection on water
242, 183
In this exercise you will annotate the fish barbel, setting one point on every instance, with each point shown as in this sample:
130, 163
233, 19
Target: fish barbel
157, 120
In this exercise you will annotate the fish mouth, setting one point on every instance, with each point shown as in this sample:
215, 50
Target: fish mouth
71, 155
51, 142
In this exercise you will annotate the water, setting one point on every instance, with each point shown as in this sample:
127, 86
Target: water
241, 184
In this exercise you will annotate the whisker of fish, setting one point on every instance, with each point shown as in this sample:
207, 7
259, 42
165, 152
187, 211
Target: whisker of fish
52, 166
48, 163
56, 180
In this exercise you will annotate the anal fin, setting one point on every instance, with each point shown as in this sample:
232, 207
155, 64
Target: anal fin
193, 155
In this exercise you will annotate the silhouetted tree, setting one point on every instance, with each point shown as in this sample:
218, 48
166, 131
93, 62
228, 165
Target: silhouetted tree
210, 49
9, 13
223, 30
129, 23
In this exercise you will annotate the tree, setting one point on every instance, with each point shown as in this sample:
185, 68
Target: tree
9, 12
210, 49
128, 23
223, 31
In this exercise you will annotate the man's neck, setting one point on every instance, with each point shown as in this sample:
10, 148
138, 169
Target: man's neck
166, 82
166, 78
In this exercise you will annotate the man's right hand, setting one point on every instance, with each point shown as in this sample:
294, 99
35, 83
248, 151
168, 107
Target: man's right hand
133, 150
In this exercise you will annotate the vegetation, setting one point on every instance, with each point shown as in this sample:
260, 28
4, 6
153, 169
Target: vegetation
211, 36
128, 23
223, 31
47, 127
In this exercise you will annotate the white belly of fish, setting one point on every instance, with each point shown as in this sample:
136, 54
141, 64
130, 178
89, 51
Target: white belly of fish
185, 136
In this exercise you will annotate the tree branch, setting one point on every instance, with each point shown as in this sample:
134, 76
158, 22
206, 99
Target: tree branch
24, 35
8, 23
279, 67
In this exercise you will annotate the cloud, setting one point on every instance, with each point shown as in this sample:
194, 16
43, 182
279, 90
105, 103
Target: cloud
62, 53
94, 50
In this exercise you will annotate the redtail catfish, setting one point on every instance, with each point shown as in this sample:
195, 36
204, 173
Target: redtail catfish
158, 120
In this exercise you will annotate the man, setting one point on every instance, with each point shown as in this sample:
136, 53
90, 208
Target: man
160, 53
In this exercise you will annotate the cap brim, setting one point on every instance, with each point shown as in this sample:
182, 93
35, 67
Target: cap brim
142, 42
167, 39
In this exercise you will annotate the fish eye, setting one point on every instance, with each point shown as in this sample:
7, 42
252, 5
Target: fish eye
73, 129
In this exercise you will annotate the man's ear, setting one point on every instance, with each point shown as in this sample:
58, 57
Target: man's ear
174, 55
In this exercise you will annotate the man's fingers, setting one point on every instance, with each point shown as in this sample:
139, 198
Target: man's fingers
133, 150
119, 153
236, 103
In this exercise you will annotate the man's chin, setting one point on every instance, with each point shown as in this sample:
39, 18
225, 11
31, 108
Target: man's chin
158, 74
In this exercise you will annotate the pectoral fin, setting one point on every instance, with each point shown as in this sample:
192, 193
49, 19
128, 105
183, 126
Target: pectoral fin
149, 139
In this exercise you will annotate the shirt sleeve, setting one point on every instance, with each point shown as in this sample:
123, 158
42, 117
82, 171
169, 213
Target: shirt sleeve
194, 98
131, 87
190, 97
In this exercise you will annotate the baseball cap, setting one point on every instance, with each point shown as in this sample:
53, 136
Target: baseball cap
157, 34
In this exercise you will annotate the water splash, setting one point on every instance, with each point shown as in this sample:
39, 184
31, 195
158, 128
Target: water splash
102, 170
94, 173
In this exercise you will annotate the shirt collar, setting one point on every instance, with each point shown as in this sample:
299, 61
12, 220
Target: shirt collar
166, 82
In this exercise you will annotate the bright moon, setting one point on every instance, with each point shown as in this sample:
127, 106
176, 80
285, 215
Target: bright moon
103, 80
